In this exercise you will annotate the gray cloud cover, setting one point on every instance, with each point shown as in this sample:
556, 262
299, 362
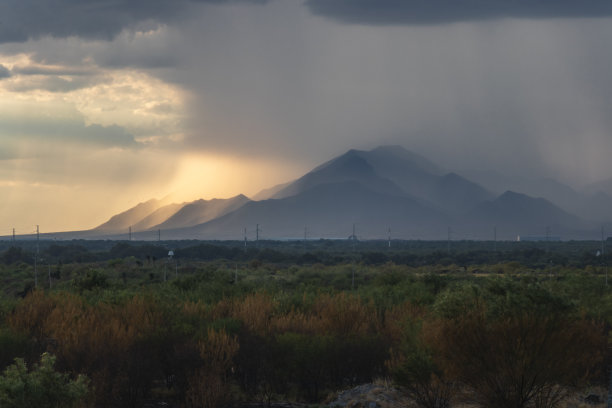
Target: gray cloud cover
4, 72
525, 96
54, 83
21, 20
517, 95
382, 12
71, 131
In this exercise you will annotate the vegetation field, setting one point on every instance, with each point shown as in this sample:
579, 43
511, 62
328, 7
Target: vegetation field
122, 324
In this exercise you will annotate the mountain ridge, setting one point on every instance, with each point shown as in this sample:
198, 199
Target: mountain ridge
388, 187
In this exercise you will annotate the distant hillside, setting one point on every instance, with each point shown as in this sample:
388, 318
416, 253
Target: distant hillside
200, 211
414, 174
328, 210
457, 195
387, 187
122, 221
267, 193
157, 217
516, 214
348, 167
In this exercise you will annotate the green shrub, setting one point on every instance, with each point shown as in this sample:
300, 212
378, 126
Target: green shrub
42, 387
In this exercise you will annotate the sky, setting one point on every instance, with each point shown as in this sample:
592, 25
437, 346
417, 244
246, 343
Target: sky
107, 103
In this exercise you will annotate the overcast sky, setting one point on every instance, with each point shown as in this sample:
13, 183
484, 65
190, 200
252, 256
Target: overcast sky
107, 103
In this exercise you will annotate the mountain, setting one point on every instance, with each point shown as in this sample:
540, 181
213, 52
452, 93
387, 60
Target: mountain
122, 221
200, 211
158, 216
588, 204
267, 193
518, 214
326, 210
604, 186
348, 167
457, 195
397, 171
391, 158
387, 187
596, 207
413, 173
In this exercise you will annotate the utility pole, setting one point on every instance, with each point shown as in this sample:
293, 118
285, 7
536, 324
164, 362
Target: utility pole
495, 238
13, 235
354, 237
603, 249
36, 257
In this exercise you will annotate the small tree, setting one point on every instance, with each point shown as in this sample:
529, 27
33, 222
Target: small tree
42, 387
413, 368
519, 361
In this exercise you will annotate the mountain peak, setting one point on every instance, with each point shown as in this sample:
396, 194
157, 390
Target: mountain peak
512, 195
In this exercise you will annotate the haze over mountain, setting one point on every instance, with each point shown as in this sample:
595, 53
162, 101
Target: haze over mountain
385, 189
123, 221
158, 216
201, 211
328, 210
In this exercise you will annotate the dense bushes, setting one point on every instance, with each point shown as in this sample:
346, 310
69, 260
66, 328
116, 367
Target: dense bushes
505, 344
145, 346
207, 340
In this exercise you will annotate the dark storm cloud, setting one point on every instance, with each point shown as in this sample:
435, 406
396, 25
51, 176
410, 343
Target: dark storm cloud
522, 96
21, 20
4, 72
383, 12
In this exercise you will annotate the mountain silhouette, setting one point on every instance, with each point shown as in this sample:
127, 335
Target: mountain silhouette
385, 188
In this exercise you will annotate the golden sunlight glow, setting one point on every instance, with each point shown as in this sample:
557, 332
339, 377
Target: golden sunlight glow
55, 175
144, 105
215, 176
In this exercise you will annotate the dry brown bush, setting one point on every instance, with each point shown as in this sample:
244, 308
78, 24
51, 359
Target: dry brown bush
209, 384
522, 360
